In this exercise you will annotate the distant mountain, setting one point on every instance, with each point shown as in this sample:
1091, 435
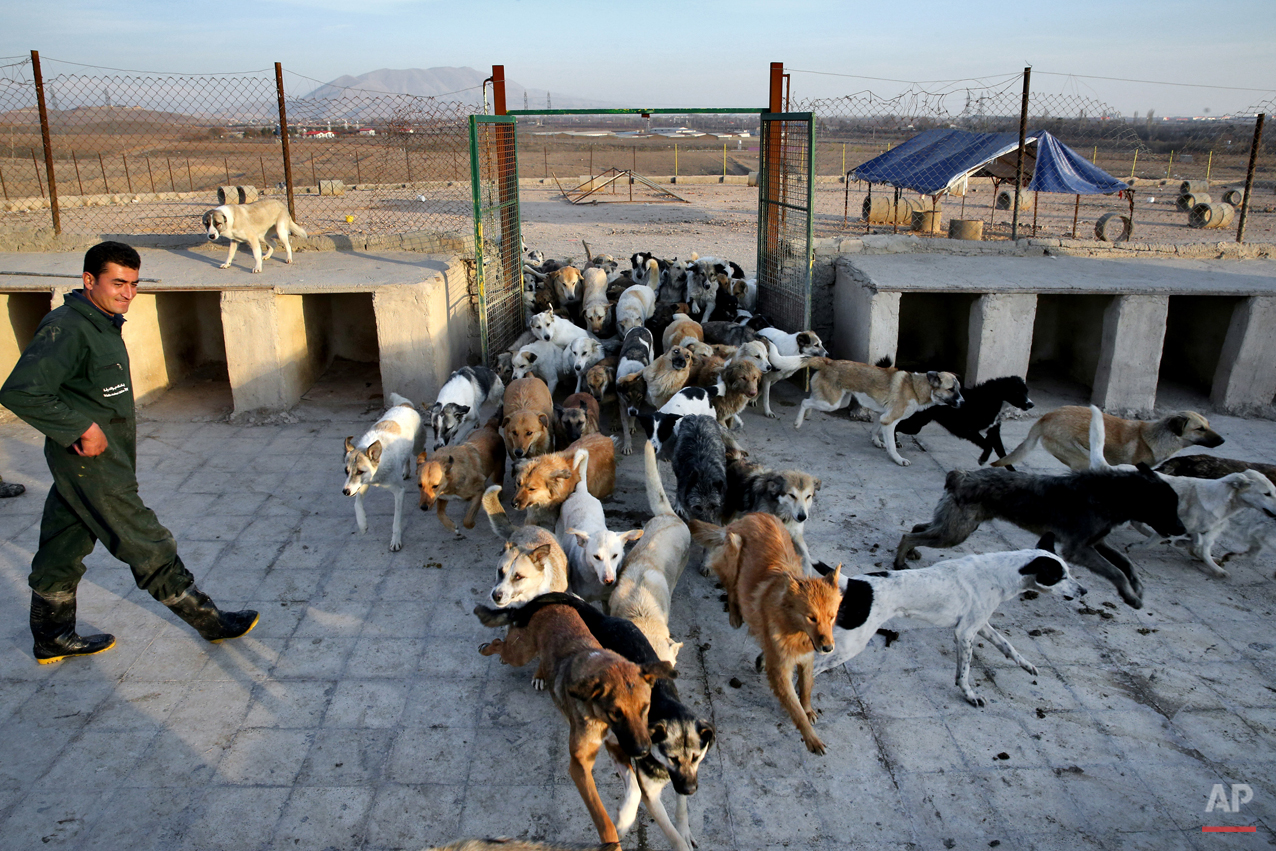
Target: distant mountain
449, 84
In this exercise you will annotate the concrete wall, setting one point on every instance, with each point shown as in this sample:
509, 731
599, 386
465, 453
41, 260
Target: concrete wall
1000, 336
1067, 331
1195, 329
424, 333
22, 312
1246, 376
934, 331
1130, 355
866, 321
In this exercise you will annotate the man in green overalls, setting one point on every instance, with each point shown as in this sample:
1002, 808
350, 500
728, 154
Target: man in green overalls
73, 384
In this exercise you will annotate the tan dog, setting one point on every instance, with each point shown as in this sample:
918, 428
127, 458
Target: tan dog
462, 471
1065, 433
644, 591
598, 691
742, 379
532, 562
667, 375
790, 617
545, 482
682, 329
893, 393
579, 416
568, 284
600, 381
529, 418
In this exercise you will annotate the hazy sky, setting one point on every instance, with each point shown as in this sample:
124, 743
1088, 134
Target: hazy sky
662, 53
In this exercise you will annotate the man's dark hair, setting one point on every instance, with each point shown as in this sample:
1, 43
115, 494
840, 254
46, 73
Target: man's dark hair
96, 258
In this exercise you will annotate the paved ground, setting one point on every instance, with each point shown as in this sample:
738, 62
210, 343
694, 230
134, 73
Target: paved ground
358, 715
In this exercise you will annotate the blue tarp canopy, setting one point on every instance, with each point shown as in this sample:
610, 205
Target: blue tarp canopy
941, 160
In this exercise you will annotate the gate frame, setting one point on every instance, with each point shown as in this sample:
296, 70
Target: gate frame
775, 195
511, 221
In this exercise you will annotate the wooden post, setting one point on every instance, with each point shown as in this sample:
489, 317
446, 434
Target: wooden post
283, 138
1023, 132
1249, 175
128, 178
171, 181
48, 143
150, 174
190, 178
78, 181
106, 189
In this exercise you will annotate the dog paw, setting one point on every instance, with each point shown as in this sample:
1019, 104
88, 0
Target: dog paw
913, 555
1032, 669
395, 546
538, 684
812, 715
903, 462
256, 271
224, 266
483, 647
771, 415
289, 261
975, 700
814, 745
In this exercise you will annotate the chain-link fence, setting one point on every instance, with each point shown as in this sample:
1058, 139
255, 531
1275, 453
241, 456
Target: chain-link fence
1164, 158
137, 153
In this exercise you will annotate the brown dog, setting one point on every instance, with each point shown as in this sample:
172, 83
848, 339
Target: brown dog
790, 617
600, 381
529, 418
462, 471
1065, 433
742, 379
544, 483
666, 375
680, 330
595, 689
579, 416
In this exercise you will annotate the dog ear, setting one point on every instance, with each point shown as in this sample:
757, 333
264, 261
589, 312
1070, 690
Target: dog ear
462, 410
447, 465
492, 617
817, 484
208, 217
587, 690
540, 555
582, 538
505, 422
774, 486
934, 379
1048, 571
374, 452
1143, 468
707, 734
561, 474
544, 418
420, 458
1177, 424
1047, 542
662, 670
833, 577
350, 443
631, 536
659, 732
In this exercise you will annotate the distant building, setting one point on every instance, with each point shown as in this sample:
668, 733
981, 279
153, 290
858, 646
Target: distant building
367, 131
319, 134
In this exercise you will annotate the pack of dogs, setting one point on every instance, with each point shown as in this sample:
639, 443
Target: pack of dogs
671, 350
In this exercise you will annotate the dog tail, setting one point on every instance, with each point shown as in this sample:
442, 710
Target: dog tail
1021, 451
298, 230
496, 513
884, 362
1098, 440
396, 400
817, 363
779, 361
707, 535
580, 463
656, 496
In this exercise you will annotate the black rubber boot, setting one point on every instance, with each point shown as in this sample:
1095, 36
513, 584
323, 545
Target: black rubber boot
10, 489
53, 628
194, 607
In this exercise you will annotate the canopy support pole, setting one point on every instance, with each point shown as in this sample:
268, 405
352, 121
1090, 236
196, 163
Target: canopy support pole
1076, 209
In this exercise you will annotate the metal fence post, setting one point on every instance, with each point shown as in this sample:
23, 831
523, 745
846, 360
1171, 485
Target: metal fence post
283, 138
1023, 134
48, 142
1249, 175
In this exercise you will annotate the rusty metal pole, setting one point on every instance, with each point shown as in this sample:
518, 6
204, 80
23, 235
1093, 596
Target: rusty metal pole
171, 181
283, 138
770, 241
35, 167
1249, 175
106, 187
78, 182
1023, 134
506, 184
48, 142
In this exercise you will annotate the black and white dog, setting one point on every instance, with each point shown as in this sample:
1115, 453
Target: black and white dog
1079, 508
700, 465
981, 410
679, 739
455, 413
961, 594
689, 401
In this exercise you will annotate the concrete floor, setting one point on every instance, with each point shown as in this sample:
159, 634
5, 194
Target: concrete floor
359, 715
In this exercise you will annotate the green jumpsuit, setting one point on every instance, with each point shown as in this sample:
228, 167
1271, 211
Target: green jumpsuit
76, 373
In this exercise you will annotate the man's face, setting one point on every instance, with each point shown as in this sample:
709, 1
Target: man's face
113, 290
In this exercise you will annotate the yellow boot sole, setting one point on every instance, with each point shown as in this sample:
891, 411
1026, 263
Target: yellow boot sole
53, 659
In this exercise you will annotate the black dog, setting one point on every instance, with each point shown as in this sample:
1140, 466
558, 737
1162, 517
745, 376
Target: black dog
679, 740
700, 465
1079, 508
980, 410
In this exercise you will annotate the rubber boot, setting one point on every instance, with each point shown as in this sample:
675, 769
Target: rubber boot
194, 607
53, 628
9, 489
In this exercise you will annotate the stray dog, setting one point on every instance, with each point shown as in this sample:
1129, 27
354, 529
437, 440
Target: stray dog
1079, 508
532, 563
700, 467
961, 594
528, 422
636, 353
460, 400
666, 375
680, 331
568, 284
982, 408
1205, 505
791, 617
644, 592
546, 481
634, 307
462, 471
383, 458
579, 416
679, 739
728, 333
600, 381
1064, 432
581, 354
688, 401
1201, 466
597, 691
553, 328
786, 494
542, 359
741, 380
784, 363
250, 223
594, 552
893, 393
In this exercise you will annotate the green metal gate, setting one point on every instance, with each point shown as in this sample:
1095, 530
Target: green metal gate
498, 242
785, 250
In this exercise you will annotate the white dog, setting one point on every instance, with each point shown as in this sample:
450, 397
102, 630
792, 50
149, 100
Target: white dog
583, 353
959, 593
455, 412
786, 352
542, 359
634, 307
555, 329
383, 458
594, 552
250, 223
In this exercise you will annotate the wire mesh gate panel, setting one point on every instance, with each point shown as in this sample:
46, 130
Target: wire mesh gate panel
497, 237
785, 252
